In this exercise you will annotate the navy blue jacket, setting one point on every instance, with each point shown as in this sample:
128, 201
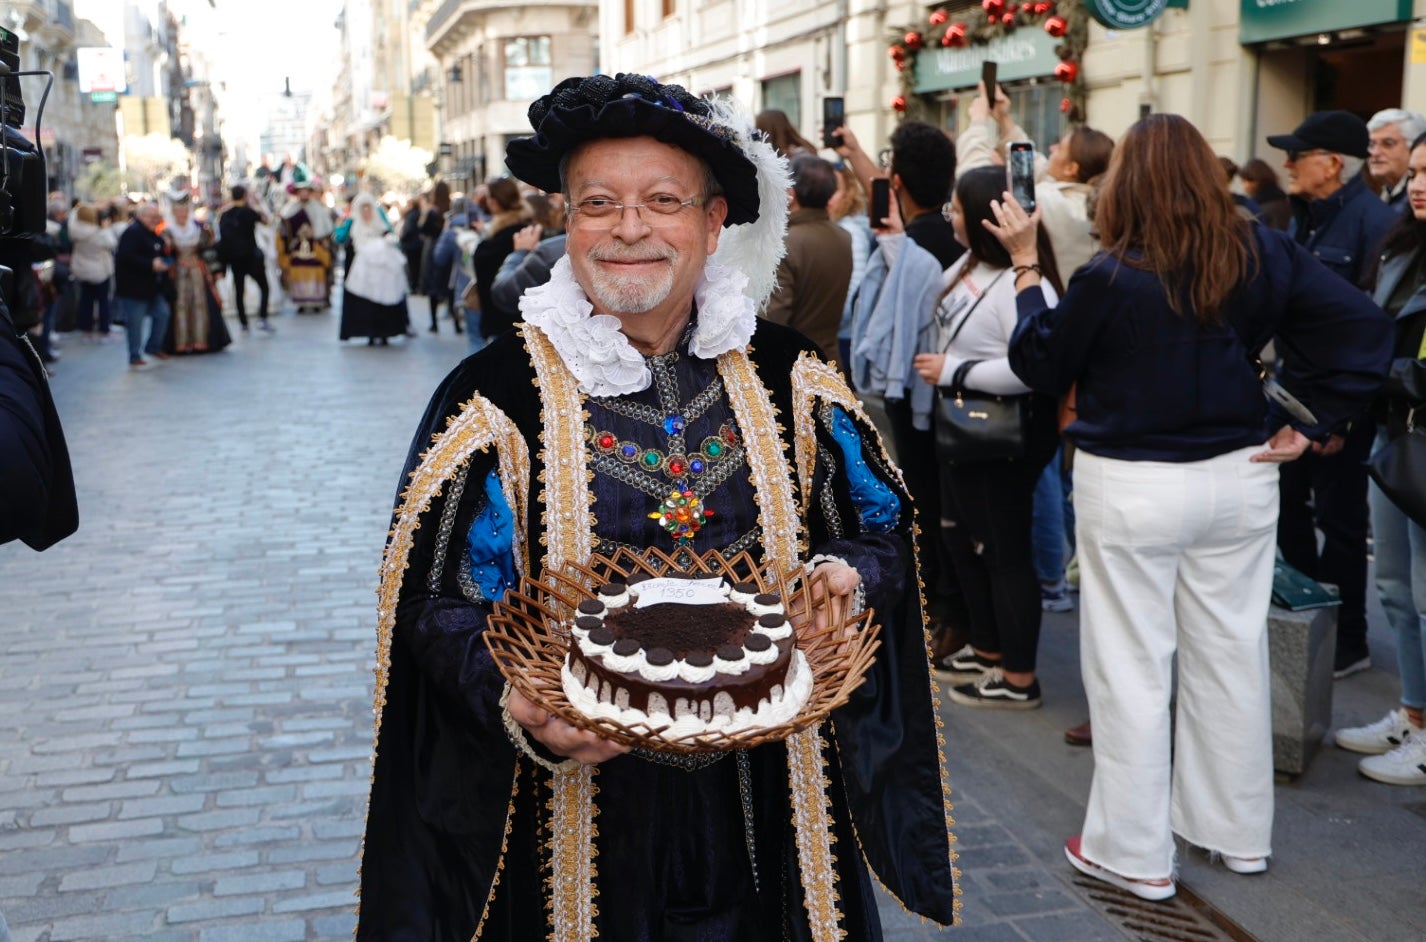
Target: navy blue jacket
1344, 230
134, 276
1156, 386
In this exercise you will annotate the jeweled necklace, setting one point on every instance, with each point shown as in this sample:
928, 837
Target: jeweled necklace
677, 479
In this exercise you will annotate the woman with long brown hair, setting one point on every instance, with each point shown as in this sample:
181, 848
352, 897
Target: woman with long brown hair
782, 135
1175, 491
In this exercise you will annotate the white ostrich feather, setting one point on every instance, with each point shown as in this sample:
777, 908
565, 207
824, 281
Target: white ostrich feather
756, 248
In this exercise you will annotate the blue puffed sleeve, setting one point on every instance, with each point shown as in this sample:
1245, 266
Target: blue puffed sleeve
491, 542
876, 503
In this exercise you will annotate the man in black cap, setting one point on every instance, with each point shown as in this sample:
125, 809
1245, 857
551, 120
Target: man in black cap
1340, 220
492, 817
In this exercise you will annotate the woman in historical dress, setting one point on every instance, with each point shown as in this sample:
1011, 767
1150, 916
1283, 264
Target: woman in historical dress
197, 325
374, 293
304, 247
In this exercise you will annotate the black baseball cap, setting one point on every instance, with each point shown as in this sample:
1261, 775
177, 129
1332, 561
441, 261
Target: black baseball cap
1340, 132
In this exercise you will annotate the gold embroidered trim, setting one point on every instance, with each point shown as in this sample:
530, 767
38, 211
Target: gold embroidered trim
572, 840
784, 546
477, 426
504, 849
783, 541
567, 501
813, 379
806, 775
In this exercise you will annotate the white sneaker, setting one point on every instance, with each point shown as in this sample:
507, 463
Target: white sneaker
1404, 765
1384, 735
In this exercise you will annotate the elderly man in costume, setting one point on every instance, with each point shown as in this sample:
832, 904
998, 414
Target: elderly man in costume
491, 819
304, 245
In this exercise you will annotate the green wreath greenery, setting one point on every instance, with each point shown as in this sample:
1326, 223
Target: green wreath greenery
1067, 20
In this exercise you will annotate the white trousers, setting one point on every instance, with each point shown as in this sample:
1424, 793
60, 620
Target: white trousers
1176, 559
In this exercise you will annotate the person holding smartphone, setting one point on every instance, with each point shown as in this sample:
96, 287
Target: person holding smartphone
985, 505
891, 323
1176, 483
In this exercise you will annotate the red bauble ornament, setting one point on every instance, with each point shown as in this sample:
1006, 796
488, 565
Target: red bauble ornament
955, 35
1066, 105
1007, 19
913, 41
1013, 8
1067, 71
899, 103
993, 8
896, 52
938, 17
1057, 26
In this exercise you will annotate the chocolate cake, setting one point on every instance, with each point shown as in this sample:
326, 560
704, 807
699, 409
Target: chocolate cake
686, 654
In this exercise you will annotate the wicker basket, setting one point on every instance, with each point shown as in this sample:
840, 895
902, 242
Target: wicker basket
529, 640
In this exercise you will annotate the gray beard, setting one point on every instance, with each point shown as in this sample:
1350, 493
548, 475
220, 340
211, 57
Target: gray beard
617, 295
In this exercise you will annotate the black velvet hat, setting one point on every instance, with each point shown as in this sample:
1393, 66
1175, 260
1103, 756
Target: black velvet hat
598, 107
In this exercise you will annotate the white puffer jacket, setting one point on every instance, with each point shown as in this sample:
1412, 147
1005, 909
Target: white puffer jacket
93, 257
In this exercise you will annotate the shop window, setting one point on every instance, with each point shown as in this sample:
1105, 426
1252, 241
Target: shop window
784, 93
527, 67
1037, 109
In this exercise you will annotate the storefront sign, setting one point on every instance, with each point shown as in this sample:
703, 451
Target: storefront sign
1263, 20
1418, 47
101, 69
1024, 53
1125, 14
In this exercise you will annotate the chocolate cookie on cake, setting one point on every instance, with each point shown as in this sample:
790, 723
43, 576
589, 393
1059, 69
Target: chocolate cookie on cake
688, 655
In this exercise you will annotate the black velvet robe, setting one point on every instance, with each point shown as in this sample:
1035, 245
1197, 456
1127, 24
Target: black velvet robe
673, 863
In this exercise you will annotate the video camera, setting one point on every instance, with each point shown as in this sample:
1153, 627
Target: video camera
24, 183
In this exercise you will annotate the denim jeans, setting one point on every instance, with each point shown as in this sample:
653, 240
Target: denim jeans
1401, 582
91, 294
135, 310
1047, 523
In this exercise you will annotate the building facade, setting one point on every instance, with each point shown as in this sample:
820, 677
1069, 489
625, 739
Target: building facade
493, 59
1239, 69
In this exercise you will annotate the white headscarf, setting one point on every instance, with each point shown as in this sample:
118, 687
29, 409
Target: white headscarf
361, 230
185, 236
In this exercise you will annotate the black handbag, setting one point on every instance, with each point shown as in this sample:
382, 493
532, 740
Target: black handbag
975, 426
1399, 469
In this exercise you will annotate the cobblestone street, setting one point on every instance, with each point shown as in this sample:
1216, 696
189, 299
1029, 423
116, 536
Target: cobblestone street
185, 702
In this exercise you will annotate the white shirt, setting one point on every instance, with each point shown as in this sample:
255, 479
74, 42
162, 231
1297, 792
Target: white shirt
984, 300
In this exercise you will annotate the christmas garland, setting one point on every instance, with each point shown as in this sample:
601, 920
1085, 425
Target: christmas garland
1065, 20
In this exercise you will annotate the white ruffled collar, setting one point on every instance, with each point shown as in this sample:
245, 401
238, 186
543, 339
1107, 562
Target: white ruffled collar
598, 353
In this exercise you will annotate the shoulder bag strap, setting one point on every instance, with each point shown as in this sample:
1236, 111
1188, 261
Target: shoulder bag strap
973, 305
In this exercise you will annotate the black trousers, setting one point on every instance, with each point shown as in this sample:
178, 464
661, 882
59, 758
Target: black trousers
916, 456
1336, 487
254, 267
987, 509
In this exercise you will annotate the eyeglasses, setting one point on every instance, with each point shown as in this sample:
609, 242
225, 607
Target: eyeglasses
1295, 155
598, 212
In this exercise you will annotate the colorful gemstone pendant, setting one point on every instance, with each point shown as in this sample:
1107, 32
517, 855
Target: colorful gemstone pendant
681, 514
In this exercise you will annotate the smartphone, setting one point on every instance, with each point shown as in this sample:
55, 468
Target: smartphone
987, 75
834, 115
1020, 174
879, 207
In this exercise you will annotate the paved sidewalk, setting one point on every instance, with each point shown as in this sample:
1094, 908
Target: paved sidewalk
185, 697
